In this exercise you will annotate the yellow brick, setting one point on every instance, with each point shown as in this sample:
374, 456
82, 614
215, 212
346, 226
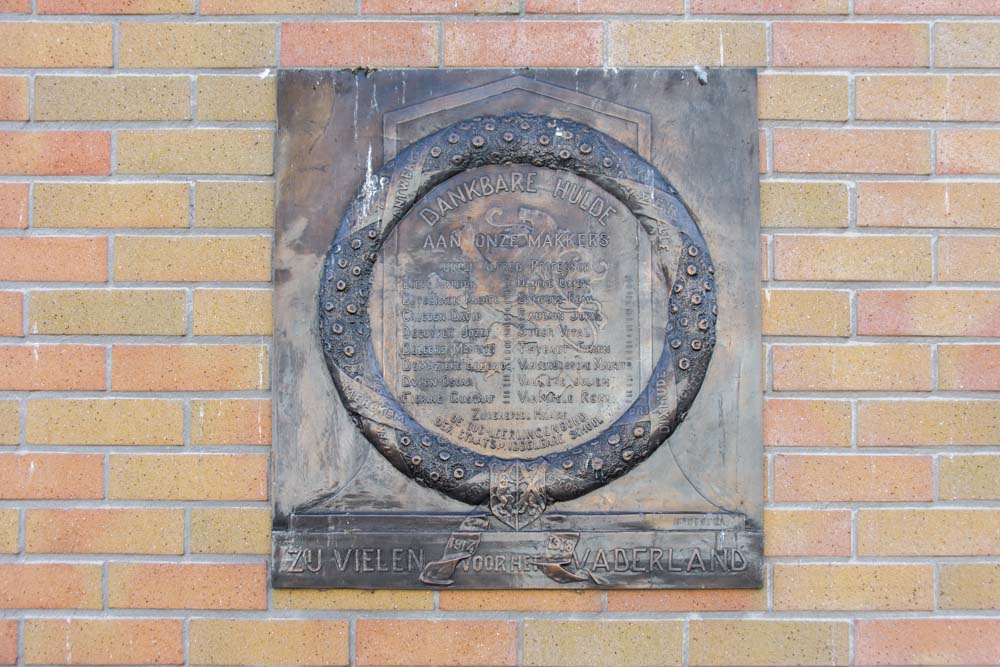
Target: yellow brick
969, 477
784, 204
230, 531
193, 258
966, 44
118, 311
767, 643
929, 423
852, 367
931, 532
802, 97
602, 644
123, 531
227, 204
9, 521
728, 44
236, 98
853, 587
300, 598
933, 98
968, 258
105, 422
112, 98
111, 205
51, 44
188, 477
806, 313
195, 152
228, 642
10, 423
969, 586
183, 45
221, 312
231, 422
891, 258
279, 7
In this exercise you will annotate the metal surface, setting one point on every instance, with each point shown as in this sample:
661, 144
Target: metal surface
515, 311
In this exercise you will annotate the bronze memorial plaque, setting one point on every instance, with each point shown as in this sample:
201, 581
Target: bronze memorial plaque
517, 330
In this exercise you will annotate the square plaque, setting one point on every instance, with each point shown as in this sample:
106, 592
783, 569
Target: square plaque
517, 330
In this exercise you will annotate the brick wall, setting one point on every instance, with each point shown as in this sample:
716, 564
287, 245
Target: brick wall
136, 206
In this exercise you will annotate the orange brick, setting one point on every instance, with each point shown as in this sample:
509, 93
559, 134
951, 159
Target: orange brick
928, 532
105, 422
50, 586
966, 44
968, 151
806, 313
520, 600
188, 477
929, 423
969, 367
55, 153
189, 367
15, 7
928, 313
968, 258
807, 532
853, 587
691, 600
602, 644
684, 43
852, 151
534, 44
439, 7
187, 586
13, 205
30, 44
658, 7
51, 476
769, 7
840, 478
798, 204
231, 422
347, 44
944, 97
111, 531
237, 642
850, 45
184, 45
969, 586
8, 642
441, 643
346, 598
867, 258
115, 6
13, 97
277, 7
807, 423
47, 259
926, 641
51, 367
192, 258
969, 477
902, 204
852, 368
11, 314
120, 641
925, 7
769, 643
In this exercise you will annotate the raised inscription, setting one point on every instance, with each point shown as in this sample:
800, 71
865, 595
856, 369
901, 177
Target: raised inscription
514, 310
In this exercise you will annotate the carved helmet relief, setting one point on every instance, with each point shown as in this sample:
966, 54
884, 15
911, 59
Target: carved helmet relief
517, 310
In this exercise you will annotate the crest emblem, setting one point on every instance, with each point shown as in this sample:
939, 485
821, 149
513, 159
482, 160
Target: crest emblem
517, 493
